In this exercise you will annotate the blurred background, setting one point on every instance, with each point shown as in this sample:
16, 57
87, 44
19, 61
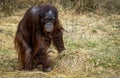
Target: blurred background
92, 39
7, 7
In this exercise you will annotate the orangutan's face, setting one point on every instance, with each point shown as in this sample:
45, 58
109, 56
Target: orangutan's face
49, 21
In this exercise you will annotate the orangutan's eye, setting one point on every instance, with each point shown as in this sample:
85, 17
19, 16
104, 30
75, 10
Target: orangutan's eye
49, 20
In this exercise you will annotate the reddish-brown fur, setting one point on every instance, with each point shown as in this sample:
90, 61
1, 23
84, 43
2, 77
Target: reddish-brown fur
32, 42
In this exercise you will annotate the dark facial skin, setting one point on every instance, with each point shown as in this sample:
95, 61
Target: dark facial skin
49, 21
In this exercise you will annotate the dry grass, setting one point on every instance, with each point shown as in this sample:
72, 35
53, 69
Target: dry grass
92, 43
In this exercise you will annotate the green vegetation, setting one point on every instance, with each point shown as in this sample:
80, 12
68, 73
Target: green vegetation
7, 7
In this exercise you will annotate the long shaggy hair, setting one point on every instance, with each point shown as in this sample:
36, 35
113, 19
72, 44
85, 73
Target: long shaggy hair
32, 41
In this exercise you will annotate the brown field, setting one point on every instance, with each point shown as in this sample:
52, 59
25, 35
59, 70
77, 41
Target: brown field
92, 48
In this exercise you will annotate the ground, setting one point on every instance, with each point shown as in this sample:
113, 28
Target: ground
92, 48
